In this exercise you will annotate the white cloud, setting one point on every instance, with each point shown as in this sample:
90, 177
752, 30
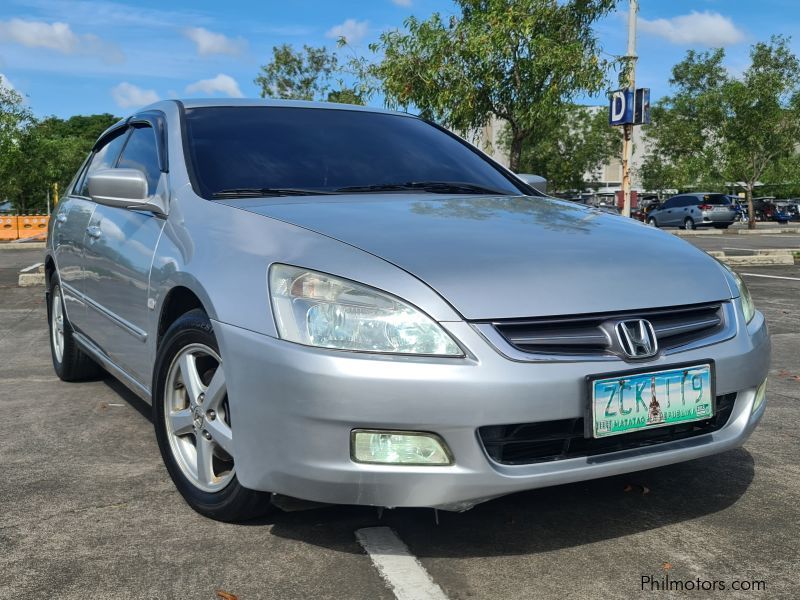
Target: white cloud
351, 30
402, 2
59, 37
705, 28
222, 83
5, 83
209, 42
127, 95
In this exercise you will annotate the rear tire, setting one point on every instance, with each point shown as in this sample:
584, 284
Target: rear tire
69, 362
192, 422
688, 223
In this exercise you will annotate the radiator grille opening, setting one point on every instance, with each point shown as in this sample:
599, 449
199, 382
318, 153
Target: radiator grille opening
528, 443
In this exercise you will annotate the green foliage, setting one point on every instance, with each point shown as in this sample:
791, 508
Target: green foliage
15, 118
46, 152
564, 150
717, 128
310, 74
521, 61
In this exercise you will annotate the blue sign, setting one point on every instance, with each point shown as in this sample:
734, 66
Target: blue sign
620, 108
641, 110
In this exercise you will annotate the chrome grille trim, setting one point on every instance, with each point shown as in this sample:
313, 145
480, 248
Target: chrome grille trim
588, 337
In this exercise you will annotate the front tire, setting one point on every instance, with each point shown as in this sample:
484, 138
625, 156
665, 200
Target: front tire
69, 362
652, 222
191, 413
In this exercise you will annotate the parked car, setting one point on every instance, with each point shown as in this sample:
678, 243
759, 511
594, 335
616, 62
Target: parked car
792, 210
694, 210
766, 209
352, 305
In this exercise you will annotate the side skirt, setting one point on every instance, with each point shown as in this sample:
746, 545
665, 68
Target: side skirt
97, 354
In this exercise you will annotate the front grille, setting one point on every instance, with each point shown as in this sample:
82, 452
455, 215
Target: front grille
527, 443
586, 335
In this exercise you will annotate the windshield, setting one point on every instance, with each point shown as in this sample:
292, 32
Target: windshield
263, 150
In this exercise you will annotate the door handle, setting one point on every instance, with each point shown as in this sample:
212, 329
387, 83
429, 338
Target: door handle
94, 232
61, 218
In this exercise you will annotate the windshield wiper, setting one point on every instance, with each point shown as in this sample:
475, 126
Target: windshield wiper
260, 192
436, 187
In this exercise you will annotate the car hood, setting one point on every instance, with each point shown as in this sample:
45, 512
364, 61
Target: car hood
507, 257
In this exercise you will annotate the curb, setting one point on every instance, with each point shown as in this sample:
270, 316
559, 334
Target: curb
22, 246
691, 232
757, 231
761, 258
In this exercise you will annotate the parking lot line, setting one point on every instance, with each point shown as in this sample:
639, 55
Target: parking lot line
407, 578
771, 276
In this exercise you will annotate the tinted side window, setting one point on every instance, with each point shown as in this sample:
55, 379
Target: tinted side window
672, 202
104, 158
141, 153
691, 201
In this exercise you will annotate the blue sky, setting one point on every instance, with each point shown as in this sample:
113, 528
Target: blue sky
88, 56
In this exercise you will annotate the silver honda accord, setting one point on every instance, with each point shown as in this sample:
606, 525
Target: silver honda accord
353, 305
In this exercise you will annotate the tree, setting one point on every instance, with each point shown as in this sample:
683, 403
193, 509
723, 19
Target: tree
717, 128
15, 117
310, 74
762, 124
568, 147
521, 61
47, 152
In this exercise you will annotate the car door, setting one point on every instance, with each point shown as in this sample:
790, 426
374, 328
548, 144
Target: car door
691, 210
666, 216
70, 220
120, 247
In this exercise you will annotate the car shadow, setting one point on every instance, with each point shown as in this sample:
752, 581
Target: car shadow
541, 520
135, 402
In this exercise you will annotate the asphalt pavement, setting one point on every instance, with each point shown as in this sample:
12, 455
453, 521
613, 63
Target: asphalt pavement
90, 512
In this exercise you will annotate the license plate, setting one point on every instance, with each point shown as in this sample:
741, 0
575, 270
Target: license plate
625, 403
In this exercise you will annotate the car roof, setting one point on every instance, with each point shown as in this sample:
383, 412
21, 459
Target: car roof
270, 102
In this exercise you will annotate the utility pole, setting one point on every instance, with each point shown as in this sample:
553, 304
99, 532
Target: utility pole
627, 140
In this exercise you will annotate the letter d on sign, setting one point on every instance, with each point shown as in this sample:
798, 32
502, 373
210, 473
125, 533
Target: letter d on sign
620, 109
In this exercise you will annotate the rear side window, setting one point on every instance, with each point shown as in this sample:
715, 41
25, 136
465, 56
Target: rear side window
141, 152
104, 158
672, 202
691, 201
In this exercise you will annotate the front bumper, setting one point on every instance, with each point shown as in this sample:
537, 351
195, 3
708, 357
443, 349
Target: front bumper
293, 409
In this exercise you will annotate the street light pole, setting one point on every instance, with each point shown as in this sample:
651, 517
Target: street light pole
627, 140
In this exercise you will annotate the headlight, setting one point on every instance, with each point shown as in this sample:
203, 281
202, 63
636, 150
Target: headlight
748, 307
321, 310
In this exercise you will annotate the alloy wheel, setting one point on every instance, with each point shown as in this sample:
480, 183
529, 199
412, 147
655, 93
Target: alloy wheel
197, 418
57, 324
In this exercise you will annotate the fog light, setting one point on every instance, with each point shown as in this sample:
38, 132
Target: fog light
761, 394
398, 448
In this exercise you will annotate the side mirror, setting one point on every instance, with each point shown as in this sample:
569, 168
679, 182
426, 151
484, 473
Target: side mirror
535, 181
123, 188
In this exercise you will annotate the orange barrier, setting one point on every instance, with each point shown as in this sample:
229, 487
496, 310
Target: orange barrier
29, 226
8, 228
